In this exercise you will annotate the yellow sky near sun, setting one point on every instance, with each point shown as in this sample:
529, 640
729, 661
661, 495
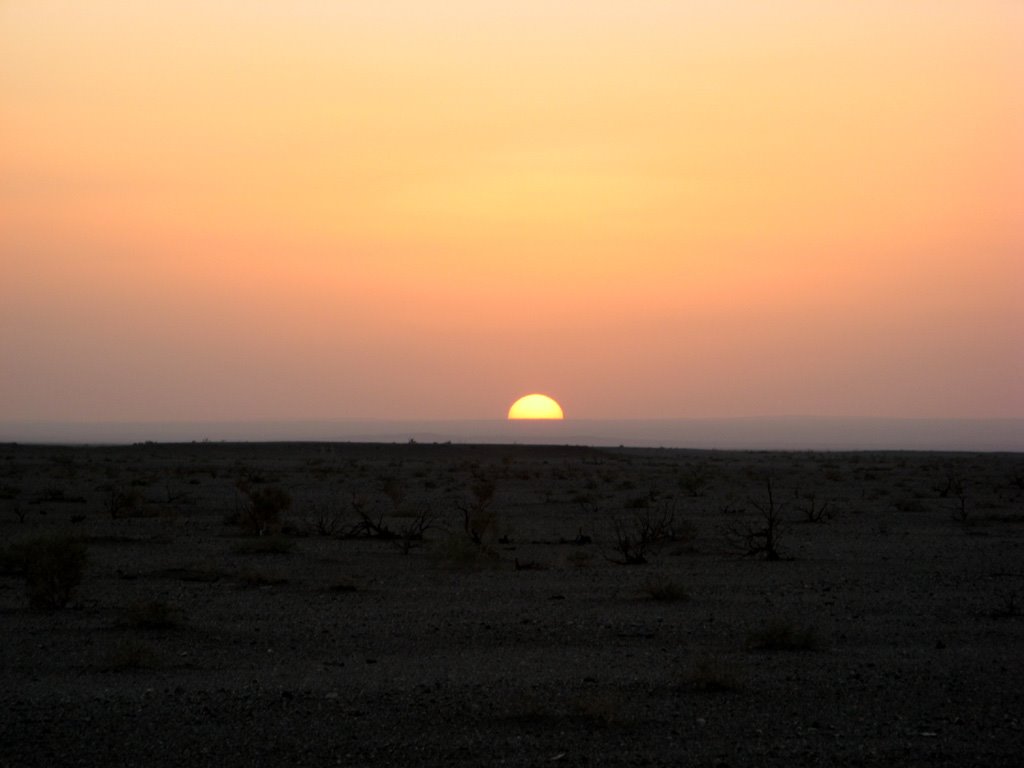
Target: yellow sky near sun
470, 170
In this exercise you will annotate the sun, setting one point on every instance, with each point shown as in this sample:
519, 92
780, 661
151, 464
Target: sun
535, 407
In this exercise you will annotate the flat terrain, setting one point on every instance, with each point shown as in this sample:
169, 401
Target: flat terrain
343, 604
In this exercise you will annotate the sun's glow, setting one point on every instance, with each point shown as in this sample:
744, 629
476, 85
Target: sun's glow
535, 407
326, 210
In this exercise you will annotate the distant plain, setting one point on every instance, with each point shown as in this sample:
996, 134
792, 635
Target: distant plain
433, 604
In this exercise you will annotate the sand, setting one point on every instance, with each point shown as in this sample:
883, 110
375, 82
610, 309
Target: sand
887, 632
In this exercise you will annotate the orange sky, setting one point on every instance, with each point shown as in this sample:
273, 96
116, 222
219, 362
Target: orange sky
231, 210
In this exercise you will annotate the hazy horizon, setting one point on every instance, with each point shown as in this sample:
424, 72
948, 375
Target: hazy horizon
793, 433
235, 211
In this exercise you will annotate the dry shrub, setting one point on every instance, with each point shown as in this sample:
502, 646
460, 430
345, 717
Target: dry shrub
263, 507
761, 537
479, 521
645, 532
123, 502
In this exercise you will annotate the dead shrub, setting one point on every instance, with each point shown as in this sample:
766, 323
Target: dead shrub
371, 525
645, 531
262, 507
761, 537
412, 533
813, 512
327, 521
479, 522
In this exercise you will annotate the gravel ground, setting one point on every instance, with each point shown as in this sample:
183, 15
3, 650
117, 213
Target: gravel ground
888, 633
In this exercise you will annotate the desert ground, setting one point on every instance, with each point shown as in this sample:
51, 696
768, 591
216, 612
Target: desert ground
419, 604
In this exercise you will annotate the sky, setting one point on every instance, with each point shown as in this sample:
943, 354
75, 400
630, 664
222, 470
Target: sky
408, 210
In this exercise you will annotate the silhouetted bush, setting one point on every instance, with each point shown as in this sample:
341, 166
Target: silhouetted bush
813, 512
371, 524
636, 537
263, 507
761, 537
478, 520
327, 521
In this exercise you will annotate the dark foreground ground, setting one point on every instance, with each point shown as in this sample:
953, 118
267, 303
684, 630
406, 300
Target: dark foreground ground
888, 632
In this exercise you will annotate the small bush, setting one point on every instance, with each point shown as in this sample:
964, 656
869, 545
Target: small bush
121, 502
694, 480
478, 519
327, 521
781, 635
263, 507
644, 532
371, 524
761, 537
412, 532
813, 512
53, 567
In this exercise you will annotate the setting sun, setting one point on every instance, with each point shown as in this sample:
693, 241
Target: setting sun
535, 407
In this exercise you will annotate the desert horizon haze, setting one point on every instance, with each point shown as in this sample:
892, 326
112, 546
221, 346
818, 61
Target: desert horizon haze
781, 433
291, 212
